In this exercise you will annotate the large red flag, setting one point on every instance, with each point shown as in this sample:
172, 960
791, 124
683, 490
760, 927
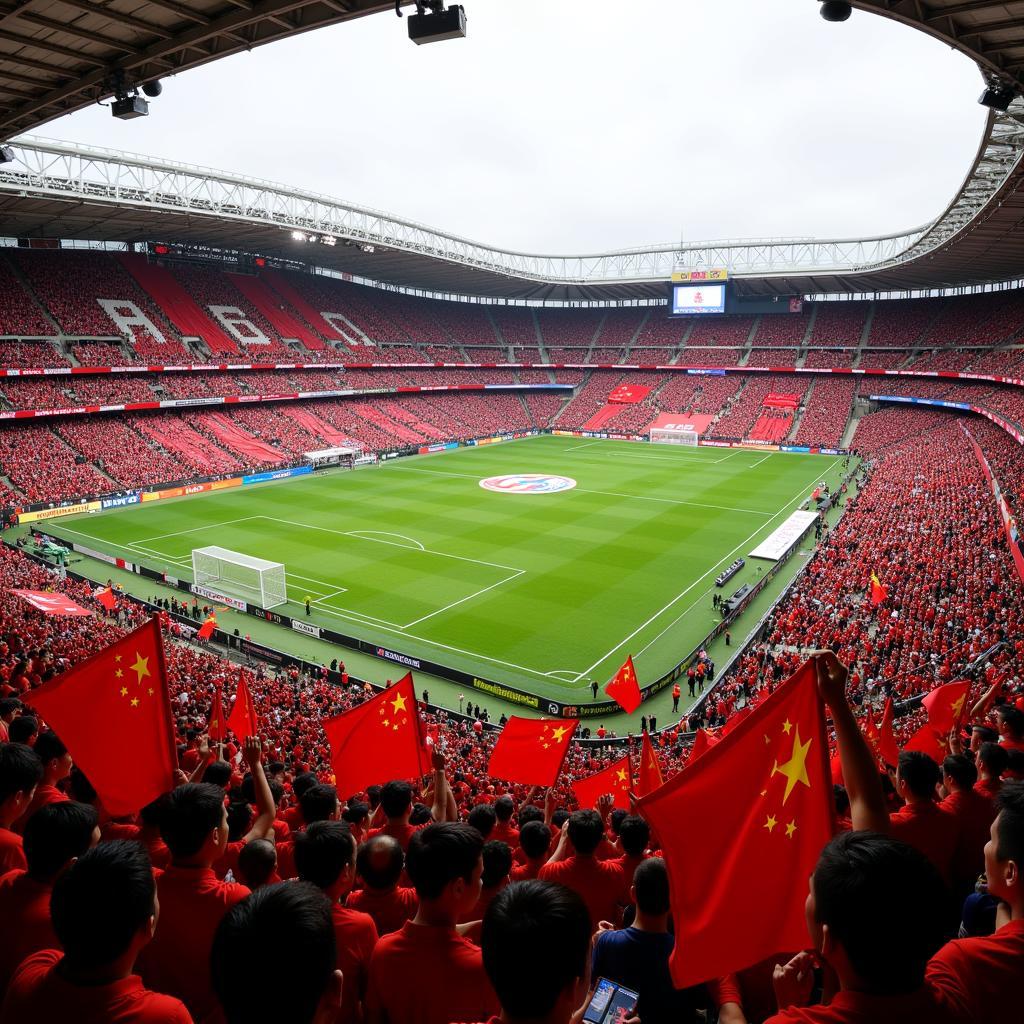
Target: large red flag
531, 750
878, 591
243, 720
107, 598
113, 713
930, 742
52, 604
217, 728
206, 629
616, 779
624, 689
763, 798
887, 747
649, 777
946, 705
377, 741
702, 743
733, 720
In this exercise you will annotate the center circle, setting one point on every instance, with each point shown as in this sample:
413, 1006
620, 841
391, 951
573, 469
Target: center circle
528, 483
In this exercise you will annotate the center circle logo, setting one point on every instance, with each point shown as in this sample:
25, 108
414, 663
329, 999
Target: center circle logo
528, 483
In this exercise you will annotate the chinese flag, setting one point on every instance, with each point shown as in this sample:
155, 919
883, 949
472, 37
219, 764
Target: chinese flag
107, 598
946, 705
879, 592
649, 778
871, 733
243, 720
531, 750
703, 742
763, 796
733, 720
217, 728
624, 689
52, 604
887, 748
377, 741
207, 628
113, 713
616, 779
929, 742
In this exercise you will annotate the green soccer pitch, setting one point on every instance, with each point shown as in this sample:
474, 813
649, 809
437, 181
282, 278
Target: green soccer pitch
544, 591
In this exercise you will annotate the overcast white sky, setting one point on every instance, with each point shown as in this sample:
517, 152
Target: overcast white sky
565, 126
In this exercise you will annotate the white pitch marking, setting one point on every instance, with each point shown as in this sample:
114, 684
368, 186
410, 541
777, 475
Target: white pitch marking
373, 534
469, 597
577, 447
759, 461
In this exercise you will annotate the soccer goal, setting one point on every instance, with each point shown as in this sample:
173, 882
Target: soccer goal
233, 574
685, 437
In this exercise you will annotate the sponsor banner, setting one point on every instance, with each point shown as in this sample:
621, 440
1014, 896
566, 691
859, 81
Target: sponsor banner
706, 371
395, 656
794, 448
430, 448
715, 444
215, 595
711, 274
512, 695
761, 446
305, 627
125, 499
93, 553
58, 513
276, 474
779, 542
963, 406
831, 451
220, 485
266, 653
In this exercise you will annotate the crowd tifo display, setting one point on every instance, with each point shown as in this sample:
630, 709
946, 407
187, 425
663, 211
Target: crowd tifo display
890, 774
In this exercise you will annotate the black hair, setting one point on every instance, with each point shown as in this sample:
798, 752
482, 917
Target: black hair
483, 819
586, 830
535, 941
1015, 761
885, 903
651, 881
256, 862
23, 728
379, 862
616, 818
504, 807
218, 773
1014, 719
323, 851
239, 817
986, 732
441, 853
49, 747
497, 858
634, 834
920, 772
302, 782
9, 704
535, 839
1010, 827
80, 788
960, 768
55, 834
560, 817
842, 800
354, 813
191, 813
150, 814
20, 769
395, 797
531, 812
993, 758
319, 803
421, 814
280, 931
99, 904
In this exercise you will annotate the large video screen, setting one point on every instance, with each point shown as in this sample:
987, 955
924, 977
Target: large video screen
698, 298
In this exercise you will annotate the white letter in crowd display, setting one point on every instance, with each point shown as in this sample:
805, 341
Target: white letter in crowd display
235, 322
126, 314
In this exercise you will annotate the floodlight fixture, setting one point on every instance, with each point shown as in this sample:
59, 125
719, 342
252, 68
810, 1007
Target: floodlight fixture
836, 10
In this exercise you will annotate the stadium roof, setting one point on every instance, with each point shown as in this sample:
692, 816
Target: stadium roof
62, 190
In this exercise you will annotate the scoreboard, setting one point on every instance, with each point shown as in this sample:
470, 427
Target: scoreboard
698, 291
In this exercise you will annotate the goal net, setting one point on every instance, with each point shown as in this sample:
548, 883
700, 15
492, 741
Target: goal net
232, 574
661, 436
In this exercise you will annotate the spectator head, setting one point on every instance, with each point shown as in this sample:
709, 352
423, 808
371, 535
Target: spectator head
396, 799
257, 862
218, 773
616, 818
535, 839
445, 865
421, 814
1015, 765
9, 708
504, 807
1004, 852
379, 862
992, 759
634, 835
917, 775
875, 912
104, 907
650, 887
1011, 722
586, 830
20, 772
483, 819
325, 856
982, 734
531, 812
302, 782
24, 729
536, 946
281, 931
497, 861
373, 796
56, 760
239, 816
57, 834
194, 823
357, 815
320, 803
559, 818
958, 772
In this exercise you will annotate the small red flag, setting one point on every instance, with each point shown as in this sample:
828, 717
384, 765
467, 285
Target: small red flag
879, 591
51, 604
616, 779
243, 720
763, 797
217, 728
207, 628
113, 713
624, 689
929, 742
649, 777
887, 748
377, 741
531, 750
946, 705
871, 733
107, 598
702, 743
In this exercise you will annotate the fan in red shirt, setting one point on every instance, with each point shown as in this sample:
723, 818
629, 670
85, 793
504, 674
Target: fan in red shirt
20, 772
634, 835
325, 855
504, 807
535, 844
57, 766
981, 976
973, 813
497, 861
379, 866
104, 911
319, 802
54, 837
920, 822
602, 884
427, 973
1010, 722
396, 806
992, 760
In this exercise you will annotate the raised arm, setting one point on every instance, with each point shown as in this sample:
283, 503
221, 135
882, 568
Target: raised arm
440, 809
252, 751
206, 757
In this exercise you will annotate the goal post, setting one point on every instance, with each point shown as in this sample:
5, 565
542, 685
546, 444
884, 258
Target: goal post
234, 574
684, 437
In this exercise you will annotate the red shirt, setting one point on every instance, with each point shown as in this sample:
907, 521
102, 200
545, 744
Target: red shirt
974, 815
43, 795
424, 975
355, 935
860, 1008
527, 871
601, 883
12, 853
505, 833
390, 908
177, 961
400, 830
981, 977
930, 831
26, 929
39, 993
